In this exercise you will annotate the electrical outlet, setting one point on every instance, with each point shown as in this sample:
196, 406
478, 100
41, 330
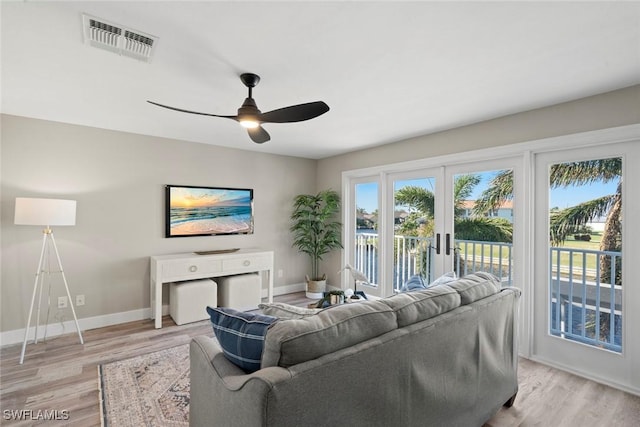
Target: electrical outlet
62, 302
280, 273
79, 300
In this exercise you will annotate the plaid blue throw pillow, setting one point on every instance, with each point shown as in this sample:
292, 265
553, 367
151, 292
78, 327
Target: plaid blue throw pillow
241, 335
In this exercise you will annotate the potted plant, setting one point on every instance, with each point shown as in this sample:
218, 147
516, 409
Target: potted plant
316, 232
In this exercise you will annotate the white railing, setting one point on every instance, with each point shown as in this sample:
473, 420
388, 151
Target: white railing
585, 289
413, 255
585, 295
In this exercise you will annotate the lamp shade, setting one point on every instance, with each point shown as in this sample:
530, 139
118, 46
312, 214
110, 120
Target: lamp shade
45, 211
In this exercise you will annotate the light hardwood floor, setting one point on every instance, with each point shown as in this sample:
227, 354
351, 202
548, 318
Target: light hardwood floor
61, 375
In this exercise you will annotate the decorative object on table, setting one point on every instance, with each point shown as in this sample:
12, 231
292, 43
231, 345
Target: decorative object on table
45, 212
145, 390
357, 276
207, 211
316, 232
331, 298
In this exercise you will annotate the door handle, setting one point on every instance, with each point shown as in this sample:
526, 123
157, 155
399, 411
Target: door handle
447, 244
438, 243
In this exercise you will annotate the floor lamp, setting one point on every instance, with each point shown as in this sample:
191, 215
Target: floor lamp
45, 212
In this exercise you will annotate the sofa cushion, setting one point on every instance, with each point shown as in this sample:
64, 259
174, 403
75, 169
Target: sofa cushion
294, 341
241, 335
412, 307
286, 311
475, 286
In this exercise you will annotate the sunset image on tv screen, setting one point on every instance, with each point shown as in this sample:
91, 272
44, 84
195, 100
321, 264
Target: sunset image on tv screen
201, 211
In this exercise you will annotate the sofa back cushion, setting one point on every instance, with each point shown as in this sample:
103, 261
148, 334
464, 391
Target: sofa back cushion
416, 306
475, 286
289, 342
286, 311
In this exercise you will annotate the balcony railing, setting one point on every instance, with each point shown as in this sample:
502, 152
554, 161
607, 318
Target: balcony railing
586, 289
585, 284
413, 255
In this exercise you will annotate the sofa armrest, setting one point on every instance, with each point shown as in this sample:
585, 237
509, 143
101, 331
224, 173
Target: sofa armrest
222, 394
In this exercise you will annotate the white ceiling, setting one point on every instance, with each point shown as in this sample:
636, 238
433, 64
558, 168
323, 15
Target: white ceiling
388, 70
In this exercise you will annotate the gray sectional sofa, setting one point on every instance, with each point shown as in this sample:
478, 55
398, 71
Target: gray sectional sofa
444, 356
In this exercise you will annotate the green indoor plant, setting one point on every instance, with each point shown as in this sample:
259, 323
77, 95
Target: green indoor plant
316, 232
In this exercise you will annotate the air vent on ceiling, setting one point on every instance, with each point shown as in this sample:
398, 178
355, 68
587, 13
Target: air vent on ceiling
117, 38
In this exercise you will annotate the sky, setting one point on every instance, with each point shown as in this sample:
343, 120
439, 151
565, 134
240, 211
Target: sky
559, 197
190, 197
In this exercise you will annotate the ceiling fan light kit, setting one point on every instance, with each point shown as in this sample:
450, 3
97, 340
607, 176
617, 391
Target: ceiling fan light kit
251, 118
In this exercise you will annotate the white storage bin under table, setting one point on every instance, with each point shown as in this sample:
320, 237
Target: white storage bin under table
188, 300
241, 292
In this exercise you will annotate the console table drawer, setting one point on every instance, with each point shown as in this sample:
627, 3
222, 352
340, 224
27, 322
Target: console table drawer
249, 263
187, 267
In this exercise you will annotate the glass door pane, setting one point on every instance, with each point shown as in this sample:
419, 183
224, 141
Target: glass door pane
584, 293
367, 242
483, 223
413, 230
585, 252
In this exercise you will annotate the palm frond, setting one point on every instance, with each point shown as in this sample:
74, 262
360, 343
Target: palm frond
463, 187
484, 229
417, 198
585, 172
562, 222
499, 190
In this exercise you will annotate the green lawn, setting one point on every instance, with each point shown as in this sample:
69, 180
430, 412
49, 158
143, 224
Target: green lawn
589, 261
594, 244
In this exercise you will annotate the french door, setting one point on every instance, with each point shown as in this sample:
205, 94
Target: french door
405, 224
586, 240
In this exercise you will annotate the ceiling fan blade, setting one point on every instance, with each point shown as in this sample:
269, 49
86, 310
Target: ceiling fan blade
295, 113
259, 135
192, 112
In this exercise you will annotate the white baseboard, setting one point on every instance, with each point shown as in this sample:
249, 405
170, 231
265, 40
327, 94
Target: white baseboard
287, 289
589, 375
69, 326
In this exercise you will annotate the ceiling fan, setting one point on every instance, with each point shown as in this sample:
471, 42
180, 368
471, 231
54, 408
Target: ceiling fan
251, 118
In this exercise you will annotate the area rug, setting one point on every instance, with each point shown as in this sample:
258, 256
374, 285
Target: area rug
147, 390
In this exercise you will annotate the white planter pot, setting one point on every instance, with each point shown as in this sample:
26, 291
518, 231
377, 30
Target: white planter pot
316, 288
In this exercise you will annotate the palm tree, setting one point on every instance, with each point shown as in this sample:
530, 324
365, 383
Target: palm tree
480, 228
416, 198
564, 221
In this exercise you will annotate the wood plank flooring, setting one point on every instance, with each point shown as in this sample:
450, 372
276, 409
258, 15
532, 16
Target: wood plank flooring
61, 374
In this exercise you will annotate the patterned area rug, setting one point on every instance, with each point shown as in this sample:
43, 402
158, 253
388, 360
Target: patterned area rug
147, 390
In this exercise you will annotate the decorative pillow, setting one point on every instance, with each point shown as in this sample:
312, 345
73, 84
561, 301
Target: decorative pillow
414, 283
444, 279
286, 311
241, 335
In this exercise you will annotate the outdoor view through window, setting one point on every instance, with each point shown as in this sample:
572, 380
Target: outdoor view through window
585, 239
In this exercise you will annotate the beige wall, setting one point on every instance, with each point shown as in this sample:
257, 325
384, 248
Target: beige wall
118, 180
612, 109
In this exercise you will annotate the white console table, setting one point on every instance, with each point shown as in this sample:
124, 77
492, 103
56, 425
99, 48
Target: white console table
190, 266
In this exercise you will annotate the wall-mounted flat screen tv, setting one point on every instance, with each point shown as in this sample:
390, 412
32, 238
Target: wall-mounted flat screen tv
207, 211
